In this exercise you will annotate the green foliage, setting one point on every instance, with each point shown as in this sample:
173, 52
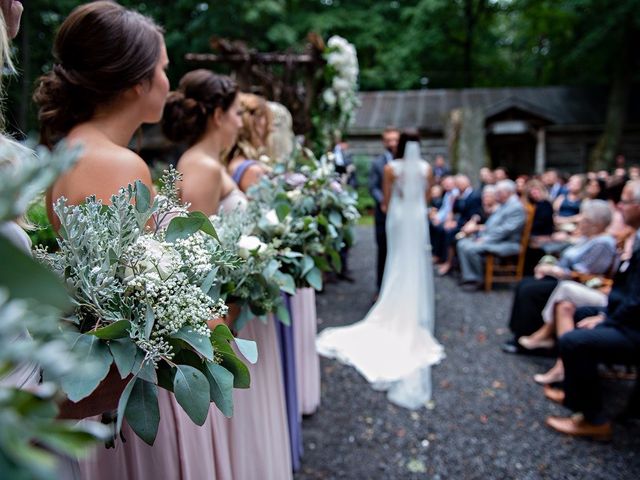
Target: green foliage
32, 300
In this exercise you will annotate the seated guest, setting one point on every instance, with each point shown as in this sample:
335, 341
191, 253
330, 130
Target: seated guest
594, 254
440, 168
542, 227
567, 205
612, 336
438, 218
500, 235
467, 205
551, 180
521, 184
537, 195
501, 173
436, 194
486, 177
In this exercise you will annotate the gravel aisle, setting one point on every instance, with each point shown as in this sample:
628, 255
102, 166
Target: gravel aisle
486, 418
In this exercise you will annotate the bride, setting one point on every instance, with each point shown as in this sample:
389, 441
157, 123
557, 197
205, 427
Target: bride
393, 346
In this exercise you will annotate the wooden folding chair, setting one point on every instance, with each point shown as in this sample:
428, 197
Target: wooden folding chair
509, 268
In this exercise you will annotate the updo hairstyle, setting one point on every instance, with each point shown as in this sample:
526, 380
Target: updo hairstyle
188, 108
101, 50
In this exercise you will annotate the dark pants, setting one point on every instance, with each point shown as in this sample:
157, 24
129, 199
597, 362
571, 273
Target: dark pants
381, 241
581, 352
530, 297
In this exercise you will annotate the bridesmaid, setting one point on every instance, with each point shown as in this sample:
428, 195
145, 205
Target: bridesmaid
303, 303
205, 113
108, 79
246, 170
243, 160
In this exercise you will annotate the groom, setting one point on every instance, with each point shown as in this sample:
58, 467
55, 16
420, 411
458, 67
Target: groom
390, 138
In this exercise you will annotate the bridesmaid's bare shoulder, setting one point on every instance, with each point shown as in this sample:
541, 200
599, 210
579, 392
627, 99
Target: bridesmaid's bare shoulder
102, 169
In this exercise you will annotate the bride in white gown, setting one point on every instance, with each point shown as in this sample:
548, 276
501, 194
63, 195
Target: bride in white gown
393, 346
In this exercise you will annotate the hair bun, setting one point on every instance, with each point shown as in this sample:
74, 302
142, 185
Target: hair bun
184, 118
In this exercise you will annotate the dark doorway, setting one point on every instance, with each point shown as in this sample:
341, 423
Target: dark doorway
515, 152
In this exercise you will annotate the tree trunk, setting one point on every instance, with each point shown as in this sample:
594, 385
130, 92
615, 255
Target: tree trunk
603, 154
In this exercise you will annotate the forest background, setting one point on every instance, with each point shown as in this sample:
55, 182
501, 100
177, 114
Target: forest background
401, 44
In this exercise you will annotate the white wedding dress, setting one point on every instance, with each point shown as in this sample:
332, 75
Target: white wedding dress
393, 346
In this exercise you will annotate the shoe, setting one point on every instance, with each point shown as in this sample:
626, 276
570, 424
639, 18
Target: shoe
577, 426
554, 394
443, 269
530, 344
548, 378
512, 346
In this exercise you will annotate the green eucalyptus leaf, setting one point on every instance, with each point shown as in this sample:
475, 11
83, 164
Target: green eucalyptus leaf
314, 278
65, 437
182, 227
144, 368
336, 261
222, 338
142, 411
307, 265
124, 353
199, 342
143, 197
282, 210
209, 280
205, 224
115, 330
23, 277
286, 283
336, 219
192, 391
322, 264
221, 388
248, 348
122, 403
243, 318
282, 313
149, 320
94, 360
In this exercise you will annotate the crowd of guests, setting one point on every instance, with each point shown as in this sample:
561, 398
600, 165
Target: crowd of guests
580, 296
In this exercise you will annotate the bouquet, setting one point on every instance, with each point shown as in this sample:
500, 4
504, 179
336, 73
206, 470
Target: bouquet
142, 277
255, 285
307, 215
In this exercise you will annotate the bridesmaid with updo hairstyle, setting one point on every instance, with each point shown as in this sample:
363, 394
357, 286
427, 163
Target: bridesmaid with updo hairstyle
243, 159
204, 113
108, 79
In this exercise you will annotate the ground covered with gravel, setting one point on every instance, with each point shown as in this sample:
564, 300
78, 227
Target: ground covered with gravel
486, 419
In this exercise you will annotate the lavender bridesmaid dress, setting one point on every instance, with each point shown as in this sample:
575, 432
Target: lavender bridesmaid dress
303, 312
289, 372
259, 443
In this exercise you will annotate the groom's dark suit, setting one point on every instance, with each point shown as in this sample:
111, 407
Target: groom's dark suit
375, 189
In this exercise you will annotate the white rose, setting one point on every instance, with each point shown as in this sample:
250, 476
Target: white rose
294, 194
272, 217
157, 258
329, 97
247, 244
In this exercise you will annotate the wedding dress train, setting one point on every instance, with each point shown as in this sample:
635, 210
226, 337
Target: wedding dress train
393, 346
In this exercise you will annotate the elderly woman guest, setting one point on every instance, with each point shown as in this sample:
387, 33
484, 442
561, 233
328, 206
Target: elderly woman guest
593, 254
